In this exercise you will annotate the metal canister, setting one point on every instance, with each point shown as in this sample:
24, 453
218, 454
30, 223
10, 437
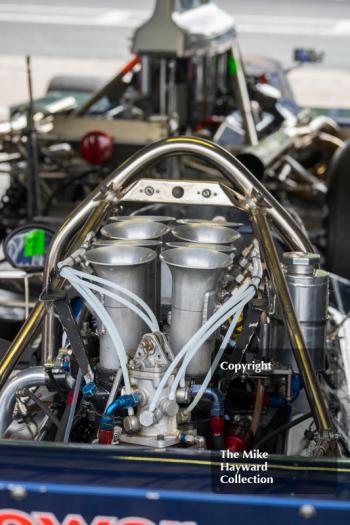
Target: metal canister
309, 290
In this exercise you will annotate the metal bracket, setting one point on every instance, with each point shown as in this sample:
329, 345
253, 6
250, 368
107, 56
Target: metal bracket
178, 192
71, 328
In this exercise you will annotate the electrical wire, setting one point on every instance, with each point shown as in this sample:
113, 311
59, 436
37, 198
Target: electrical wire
282, 428
73, 407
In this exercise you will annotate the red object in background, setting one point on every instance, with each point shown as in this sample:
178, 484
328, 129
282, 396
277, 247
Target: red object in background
263, 79
96, 147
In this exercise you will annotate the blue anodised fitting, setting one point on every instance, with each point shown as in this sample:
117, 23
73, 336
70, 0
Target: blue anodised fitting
127, 401
106, 423
89, 390
182, 437
217, 399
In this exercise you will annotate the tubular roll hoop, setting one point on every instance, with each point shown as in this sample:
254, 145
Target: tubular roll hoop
88, 215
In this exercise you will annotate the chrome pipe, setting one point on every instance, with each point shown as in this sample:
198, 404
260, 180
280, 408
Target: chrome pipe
34, 376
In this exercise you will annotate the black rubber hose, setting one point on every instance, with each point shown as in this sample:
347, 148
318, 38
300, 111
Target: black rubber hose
282, 428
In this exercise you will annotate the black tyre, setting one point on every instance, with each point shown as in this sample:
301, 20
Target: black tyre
338, 223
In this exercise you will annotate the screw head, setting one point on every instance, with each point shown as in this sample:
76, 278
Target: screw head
149, 191
131, 424
170, 408
18, 492
206, 193
147, 418
307, 511
148, 344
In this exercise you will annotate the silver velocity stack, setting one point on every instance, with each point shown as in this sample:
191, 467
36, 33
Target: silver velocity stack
141, 231
205, 233
130, 267
164, 219
196, 274
136, 230
211, 236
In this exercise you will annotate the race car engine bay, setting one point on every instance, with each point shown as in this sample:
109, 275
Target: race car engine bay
186, 312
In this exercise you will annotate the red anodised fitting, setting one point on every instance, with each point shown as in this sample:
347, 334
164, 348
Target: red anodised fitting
238, 442
217, 424
105, 437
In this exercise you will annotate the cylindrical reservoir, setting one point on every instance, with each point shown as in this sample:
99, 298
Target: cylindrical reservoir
309, 290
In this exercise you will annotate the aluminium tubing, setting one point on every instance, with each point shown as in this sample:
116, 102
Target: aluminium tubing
34, 376
240, 177
21, 341
237, 175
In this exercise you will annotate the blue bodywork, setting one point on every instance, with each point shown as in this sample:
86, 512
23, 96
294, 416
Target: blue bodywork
113, 481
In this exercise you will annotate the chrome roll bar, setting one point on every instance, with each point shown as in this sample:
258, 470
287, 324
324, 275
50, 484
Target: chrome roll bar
87, 216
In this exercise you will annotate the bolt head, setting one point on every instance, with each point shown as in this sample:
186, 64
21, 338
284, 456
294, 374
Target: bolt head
131, 424
307, 511
18, 492
147, 418
170, 408
148, 344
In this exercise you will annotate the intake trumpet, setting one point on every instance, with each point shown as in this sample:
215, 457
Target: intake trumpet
196, 274
130, 267
205, 234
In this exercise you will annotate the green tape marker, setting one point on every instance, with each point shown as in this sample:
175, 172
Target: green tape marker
233, 66
34, 243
